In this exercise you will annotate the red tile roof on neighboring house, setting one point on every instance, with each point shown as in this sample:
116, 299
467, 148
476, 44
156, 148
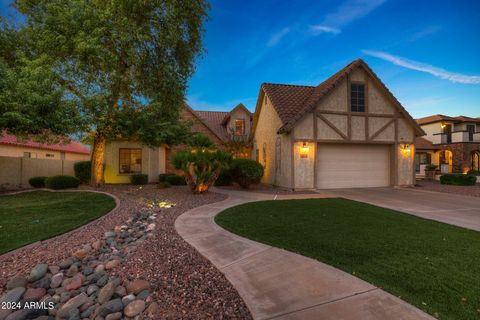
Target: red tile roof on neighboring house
292, 102
73, 146
441, 117
424, 144
214, 120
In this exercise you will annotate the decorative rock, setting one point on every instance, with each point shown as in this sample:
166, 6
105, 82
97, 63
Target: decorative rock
152, 309
38, 272
75, 283
56, 280
110, 234
91, 289
34, 294
137, 286
80, 254
127, 299
97, 244
111, 306
13, 295
73, 270
43, 282
106, 292
67, 263
102, 281
120, 291
87, 271
65, 296
112, 264
99, 268
72, 304
54, 269
87, 313
134, 308
17, 282
143, 294
114, 316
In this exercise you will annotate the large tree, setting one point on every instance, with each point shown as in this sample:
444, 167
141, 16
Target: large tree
117, 68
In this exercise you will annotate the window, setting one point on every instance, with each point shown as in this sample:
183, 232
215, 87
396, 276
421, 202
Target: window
357, 97
27, 154
62, 155
422, 158
239, 127
49, 155
130, 160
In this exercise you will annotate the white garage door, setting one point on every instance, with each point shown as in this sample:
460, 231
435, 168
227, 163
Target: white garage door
352, 166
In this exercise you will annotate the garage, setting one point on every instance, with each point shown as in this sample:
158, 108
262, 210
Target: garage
352, 166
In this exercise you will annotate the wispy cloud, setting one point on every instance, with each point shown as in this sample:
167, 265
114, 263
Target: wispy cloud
425, 32
277, 37
318, 29
426, 102
346, 13
423, 67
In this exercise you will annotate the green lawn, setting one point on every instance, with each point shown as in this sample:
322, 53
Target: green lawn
39, 215
431, 265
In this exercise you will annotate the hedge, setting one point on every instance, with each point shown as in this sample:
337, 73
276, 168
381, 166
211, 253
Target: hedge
139, 178
176, 180
458, 179
37, 182
224, 179
62, 182
246, 172
162, 177
83, 171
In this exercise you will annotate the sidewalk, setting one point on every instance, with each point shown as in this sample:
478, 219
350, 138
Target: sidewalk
278, 284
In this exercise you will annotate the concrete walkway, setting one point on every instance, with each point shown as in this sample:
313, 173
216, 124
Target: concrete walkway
277, 284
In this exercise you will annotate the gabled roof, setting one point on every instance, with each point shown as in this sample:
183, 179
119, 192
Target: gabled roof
293, 102
441, 118
239, 106
214, 120
467, 119
424, 144
208, 121
73, 146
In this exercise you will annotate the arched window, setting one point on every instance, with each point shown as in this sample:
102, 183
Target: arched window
475, 160
264, 154
278, 156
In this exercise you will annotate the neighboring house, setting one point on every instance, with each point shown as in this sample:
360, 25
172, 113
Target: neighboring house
124, 158
452, 143
11, 147
349, 131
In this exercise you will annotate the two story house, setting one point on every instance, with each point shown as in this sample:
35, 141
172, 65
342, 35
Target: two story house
451, 143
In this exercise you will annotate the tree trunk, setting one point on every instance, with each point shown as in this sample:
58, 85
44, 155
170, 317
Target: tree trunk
98, 155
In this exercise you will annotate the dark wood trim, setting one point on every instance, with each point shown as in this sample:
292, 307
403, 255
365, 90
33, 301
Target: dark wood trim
331, 125
315, 137
349, 110
358, 114
292, 158
385, 126
346, 141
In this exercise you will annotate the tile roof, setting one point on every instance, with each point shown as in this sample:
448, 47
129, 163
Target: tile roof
424, 144
73, 146
441, 117
292, 102
214, 120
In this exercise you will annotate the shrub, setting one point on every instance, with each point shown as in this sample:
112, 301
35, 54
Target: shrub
430, 167
139, 178
474, 172
162, 177
83, 171
458, 179
246, 172
163, 184
224, 179
37, 182
62, 182
175, 180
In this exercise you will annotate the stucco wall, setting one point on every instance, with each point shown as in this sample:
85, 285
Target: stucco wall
431, 129
153, 162
304, 127
336, 100
304, 177
265, 141
240, 114
406, 166
18, 151
16, 171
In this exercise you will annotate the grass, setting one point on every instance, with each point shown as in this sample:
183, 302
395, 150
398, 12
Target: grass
432, 265
39, 215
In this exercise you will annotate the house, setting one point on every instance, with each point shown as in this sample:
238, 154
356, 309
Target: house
124, 158
451, 143
11, 147
349, 131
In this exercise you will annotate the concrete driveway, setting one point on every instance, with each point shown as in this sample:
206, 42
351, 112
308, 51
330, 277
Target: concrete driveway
463, 211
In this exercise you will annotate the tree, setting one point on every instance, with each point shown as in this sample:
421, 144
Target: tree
201, 164
120, 68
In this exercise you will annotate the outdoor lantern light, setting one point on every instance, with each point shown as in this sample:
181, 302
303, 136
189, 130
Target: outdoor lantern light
443, 125
406, 148
304, 150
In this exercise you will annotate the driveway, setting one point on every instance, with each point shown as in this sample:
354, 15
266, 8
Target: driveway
459, 210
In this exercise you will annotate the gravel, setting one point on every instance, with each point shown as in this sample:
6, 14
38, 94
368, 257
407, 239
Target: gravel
473, 191
184, 284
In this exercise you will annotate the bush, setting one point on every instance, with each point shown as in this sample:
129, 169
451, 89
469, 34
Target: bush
430, 167
162, 177
164, 184
458, 179
175, 180
83, 171
139, 178
37, 182
224, 179
474, 172
62, 182
246, 172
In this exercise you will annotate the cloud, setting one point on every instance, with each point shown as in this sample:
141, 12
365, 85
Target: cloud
426, 102
422, 67
318, 29
424, 32
277, 37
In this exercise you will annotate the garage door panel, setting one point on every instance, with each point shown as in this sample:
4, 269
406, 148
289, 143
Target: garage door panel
352, 166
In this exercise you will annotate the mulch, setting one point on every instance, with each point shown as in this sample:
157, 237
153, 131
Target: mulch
186, 285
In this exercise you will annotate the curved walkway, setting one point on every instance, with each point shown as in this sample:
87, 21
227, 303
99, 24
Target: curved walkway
278, 284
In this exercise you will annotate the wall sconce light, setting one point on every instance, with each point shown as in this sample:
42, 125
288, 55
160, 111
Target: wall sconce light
304, 151
406, 148
443, 125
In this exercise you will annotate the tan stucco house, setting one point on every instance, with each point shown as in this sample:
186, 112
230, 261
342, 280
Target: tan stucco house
124, 158
349, 131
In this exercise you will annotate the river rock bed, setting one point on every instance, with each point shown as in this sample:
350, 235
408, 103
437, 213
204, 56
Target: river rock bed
83, 285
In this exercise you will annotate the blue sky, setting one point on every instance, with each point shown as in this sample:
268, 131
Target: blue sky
426, 52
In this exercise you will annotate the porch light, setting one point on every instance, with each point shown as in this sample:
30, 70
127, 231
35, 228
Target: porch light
443, 125
304, 150
406, 148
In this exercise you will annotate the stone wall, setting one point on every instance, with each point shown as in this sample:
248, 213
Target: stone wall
461, 155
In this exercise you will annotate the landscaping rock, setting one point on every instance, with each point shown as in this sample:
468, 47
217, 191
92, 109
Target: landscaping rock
67, 263
80, 254
54, 269
34, 294
13, 295
92, 289
143, 294
57, 280
120, 291
114, 316
127, 299
111, 306
134, 308
152, 309
72, 304
106, 292
137, 286
75, 282
112, 264
17, 282
73, 270
43, 282
38, 272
